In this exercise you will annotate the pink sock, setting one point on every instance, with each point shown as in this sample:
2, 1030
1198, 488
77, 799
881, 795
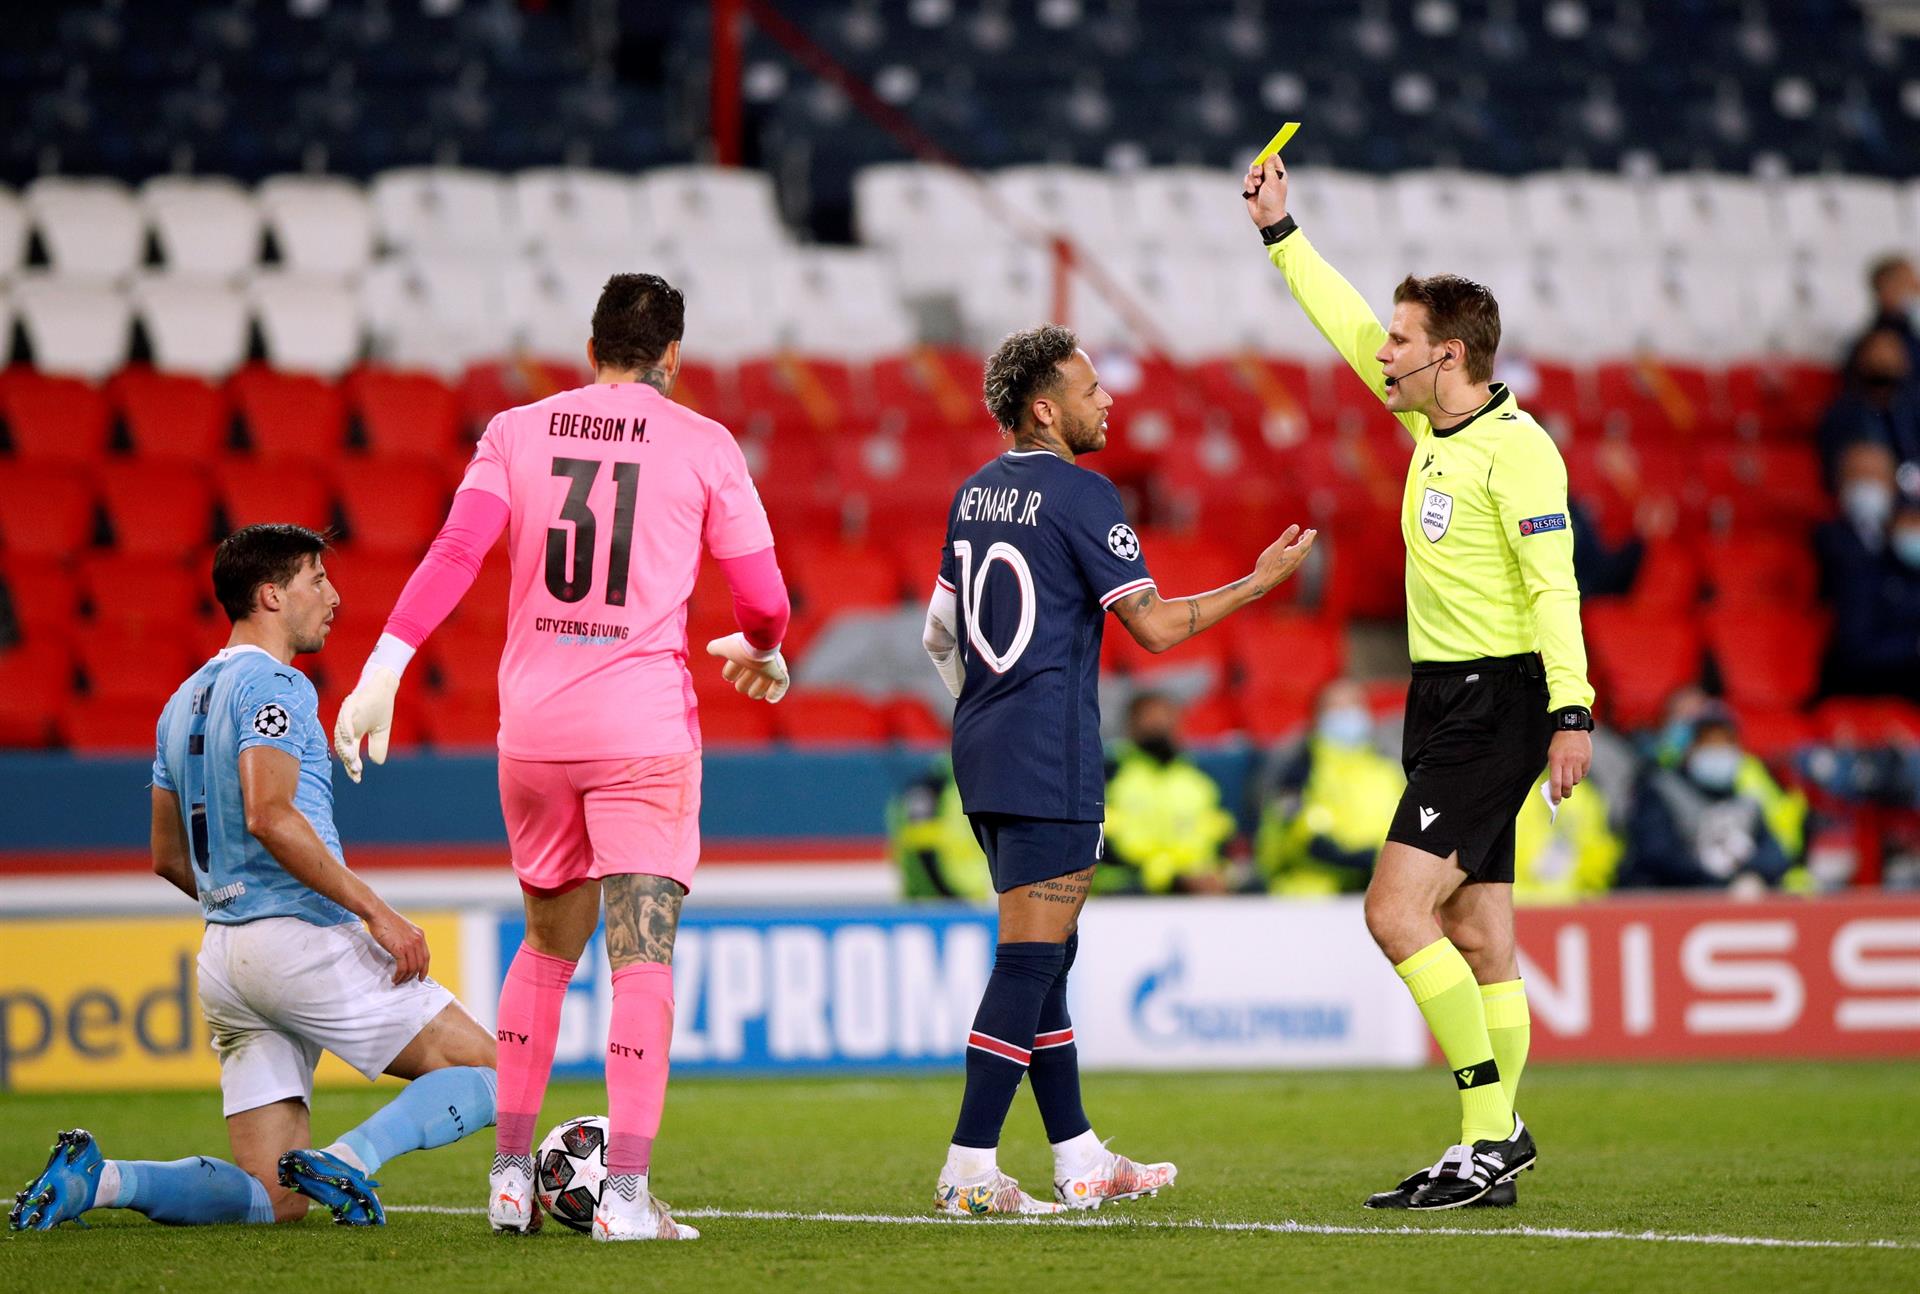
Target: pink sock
528, 1029
637, 1044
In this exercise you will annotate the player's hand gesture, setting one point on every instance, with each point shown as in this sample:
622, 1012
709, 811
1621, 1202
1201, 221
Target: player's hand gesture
1569, 756
1266, 193
405, 942
763, 679
367, 712
1282, 559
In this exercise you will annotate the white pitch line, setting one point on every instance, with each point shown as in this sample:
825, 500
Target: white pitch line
1290, 1228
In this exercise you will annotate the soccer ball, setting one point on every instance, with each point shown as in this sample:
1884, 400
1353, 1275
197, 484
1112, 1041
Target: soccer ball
570, 1170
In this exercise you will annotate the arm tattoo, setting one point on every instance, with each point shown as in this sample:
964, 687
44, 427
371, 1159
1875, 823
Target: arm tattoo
643, 913
656, 378
1193, 616
1145, 601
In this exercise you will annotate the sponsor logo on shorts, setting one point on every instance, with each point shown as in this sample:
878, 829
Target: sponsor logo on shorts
1541, 525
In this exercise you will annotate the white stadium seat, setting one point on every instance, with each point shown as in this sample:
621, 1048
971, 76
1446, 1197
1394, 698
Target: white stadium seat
551, 296
322, 225
1574, 209
91, 228
1452, 210
728, 318
1685, 308
699, 208
1185, 297
1008, 287
1835, 301
206, 226
311, 323
842, 303
195, 325
1728, 212
443, 208
1831, 213
13, 233
1341, 211
1077, 203
1565, 305
570, 208
931, 220
77, 327
440, 311
1186, 208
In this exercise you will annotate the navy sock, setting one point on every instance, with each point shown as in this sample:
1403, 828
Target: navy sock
191, 1192
1001, 1043
1054, 1071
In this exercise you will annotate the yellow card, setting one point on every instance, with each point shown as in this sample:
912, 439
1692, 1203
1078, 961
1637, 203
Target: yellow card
1277, 143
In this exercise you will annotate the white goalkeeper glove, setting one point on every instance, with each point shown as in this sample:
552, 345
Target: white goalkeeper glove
368, 710
759, 674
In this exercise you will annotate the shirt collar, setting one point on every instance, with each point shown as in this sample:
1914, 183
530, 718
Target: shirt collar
1497, 395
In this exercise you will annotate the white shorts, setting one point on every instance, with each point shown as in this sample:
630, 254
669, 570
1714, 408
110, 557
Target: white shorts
278, 991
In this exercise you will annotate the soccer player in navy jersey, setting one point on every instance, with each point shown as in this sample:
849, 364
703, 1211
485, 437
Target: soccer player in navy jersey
1037, 551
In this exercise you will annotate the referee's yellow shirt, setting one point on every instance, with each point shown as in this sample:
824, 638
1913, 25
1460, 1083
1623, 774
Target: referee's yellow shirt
1484, 516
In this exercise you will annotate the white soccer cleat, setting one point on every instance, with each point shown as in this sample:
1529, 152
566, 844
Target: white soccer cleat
511, 1206
993, 1194
1119, 1178
641, 1218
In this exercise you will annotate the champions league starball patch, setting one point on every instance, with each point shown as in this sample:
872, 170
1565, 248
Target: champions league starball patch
1124, 543
272, 720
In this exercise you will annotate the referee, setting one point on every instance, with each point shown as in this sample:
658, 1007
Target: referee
1499, 678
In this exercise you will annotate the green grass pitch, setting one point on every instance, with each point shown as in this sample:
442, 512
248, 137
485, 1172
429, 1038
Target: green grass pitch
1747, 1152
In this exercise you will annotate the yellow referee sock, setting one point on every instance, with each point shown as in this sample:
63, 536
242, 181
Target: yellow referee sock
1510, 1028
1442, 986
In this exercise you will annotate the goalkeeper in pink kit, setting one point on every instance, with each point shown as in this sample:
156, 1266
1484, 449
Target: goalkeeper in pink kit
608, 494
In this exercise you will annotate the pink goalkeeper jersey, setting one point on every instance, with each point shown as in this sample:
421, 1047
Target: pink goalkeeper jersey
612, 491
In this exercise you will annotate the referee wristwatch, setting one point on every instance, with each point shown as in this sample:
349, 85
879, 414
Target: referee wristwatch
1573, 718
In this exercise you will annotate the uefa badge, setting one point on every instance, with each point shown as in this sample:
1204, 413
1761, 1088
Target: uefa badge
1124, 543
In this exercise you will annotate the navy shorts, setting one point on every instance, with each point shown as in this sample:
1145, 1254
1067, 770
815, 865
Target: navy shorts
1025, 851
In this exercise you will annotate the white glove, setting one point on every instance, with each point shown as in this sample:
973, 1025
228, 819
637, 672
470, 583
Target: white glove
758, 674
367, 712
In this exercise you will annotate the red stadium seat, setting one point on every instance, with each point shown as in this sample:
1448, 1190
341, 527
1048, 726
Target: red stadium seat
1768, 658
893, 480
488, 388
1640, 657
1183, 564
912, 719
252, 492
932, 383
393, 507
407, 415
819, 718
1868, 721
1289, 650
172, 415
1764, 568
162, 509
460, 722
1275, 711
1764, 486
788, 393
1774, 734
368, 583
46, 510
136, 665
35, 681
1779, 401
737, 721
156, 595
466, 659
54, 419
1212, 717
290, 415
708, 390
110, 725
833, 577
43, 597
1668, 579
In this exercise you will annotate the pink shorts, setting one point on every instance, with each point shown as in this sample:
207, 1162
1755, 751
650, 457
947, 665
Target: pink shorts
579, 821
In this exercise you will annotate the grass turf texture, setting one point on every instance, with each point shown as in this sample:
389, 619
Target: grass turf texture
1793, 1151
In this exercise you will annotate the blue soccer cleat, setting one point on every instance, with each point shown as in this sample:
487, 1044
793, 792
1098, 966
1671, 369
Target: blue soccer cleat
329, 1180
65, 1188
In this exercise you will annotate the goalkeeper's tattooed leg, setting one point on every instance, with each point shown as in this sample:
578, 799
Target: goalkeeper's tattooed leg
643, 914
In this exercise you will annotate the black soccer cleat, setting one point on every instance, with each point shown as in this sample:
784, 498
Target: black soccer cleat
1468, 1174
1502, 1196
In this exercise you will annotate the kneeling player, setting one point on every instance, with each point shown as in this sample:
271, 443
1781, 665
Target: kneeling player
243, 820
1037, 549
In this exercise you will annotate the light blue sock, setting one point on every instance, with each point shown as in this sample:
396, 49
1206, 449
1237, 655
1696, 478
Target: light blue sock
190, 1192
436, 1108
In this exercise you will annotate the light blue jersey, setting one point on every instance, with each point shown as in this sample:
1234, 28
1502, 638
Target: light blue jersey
243, 698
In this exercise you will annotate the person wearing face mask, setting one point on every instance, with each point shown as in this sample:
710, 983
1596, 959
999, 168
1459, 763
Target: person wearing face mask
1693, 828
1785, 808
1879, 402
1895, 285
1327, 801
1875, 647
1165, 822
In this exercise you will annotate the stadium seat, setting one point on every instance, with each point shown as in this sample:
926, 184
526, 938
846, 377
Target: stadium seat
406, 415
1077, 203
1007, 287
171, 416
1767, 657
310, 324
45, 510
1580, 209
77, 327
726, 209
91, 228
438, 310
1857, 721
733, 720
824, 718
1348, 205
898, 480
35, 680
460, 722
443, 208
1639, 657
1287, 651
13, 233
42, 599
146, 594
291, 417
392, 507
841, 303
194, 325
1669, 578
550, 296
830, 577
1734, 214
1175, 208
368, 580
1440, 210
1763, 568
465, 655
53, 419
727, 315
157, 509
1822, 211
1183, 564
206, 226
1213, 717
1774, 735
568, 208
322, 225
911, 719
134, 665
109, 725
905, 206
252, 492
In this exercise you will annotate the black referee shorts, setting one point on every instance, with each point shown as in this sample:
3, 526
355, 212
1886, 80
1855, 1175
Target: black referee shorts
1476, 741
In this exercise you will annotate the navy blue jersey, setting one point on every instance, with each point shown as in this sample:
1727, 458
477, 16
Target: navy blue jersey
1037, 550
